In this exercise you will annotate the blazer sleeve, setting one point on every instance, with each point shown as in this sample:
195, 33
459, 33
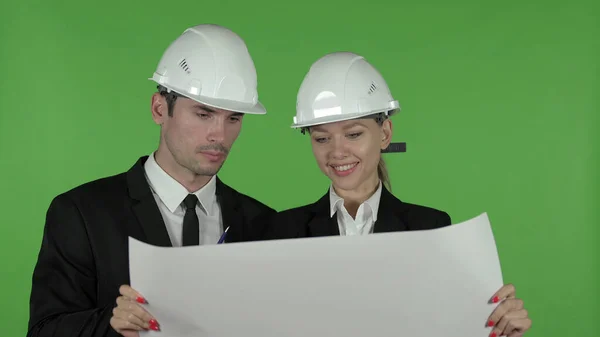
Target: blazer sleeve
63, 293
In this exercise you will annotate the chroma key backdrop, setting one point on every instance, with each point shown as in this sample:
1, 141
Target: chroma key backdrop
499, 115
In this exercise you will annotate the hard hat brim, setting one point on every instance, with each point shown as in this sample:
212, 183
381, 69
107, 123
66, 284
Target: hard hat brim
251, 109
342, 117
224, 104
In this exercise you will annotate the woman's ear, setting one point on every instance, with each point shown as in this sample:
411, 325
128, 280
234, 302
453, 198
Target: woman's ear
386, 133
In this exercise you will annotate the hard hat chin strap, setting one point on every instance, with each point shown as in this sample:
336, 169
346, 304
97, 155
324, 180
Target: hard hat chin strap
395, 148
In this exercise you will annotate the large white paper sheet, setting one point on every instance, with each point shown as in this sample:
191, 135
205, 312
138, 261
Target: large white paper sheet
417, 283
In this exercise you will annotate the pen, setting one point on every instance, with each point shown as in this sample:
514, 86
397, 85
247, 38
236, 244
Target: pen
222, 239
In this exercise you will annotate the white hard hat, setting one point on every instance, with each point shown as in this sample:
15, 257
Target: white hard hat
211, 65
342, 86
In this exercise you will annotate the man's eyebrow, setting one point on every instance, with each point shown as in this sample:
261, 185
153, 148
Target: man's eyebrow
203, 107
211, 110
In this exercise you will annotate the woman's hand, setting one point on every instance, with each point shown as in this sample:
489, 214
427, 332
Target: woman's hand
129, 316
510, 317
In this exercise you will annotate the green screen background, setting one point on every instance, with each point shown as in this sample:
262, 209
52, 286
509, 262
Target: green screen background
499, 115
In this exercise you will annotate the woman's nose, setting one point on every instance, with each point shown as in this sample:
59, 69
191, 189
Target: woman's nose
339, 149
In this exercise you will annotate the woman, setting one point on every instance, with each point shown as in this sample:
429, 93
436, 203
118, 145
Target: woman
343, 105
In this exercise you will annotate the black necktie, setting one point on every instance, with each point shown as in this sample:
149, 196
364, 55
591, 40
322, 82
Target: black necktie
191, 227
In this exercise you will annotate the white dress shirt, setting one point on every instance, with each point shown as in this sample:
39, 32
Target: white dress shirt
169, 195
365, 216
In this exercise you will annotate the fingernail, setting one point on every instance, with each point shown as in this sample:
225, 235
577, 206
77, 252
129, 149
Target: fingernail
495, 300
155, 327
490, 323
140, 299
153, 322
493, 334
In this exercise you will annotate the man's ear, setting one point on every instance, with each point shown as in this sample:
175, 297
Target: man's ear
159, 108
386, 133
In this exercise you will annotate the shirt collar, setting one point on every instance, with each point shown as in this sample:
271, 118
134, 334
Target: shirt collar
172, 193
336, 202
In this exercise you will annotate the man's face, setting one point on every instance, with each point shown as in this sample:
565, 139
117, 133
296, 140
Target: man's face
197, 136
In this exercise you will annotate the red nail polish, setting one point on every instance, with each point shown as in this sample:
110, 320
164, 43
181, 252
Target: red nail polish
490, 323
153, 324
493, 334
140, 299
495, 300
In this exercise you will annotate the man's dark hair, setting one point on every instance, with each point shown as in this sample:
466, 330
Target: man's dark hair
171, 97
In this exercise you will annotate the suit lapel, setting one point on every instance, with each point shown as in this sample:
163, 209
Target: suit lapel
230, 211
321, 224
145, 209
388, 215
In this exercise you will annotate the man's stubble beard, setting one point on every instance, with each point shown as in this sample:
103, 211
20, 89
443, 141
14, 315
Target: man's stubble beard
197, 168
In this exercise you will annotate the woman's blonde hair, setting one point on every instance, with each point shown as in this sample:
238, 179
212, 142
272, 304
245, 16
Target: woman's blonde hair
382, 170
383, 174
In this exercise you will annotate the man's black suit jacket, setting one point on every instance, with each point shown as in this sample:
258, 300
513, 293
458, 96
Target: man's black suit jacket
314, 219
84, 252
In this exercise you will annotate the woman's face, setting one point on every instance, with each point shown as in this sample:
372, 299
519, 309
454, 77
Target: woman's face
348, 152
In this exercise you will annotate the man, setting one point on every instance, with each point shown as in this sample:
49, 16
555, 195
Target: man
207, 82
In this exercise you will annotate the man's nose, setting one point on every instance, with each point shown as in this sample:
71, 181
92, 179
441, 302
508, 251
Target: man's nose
216, 133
